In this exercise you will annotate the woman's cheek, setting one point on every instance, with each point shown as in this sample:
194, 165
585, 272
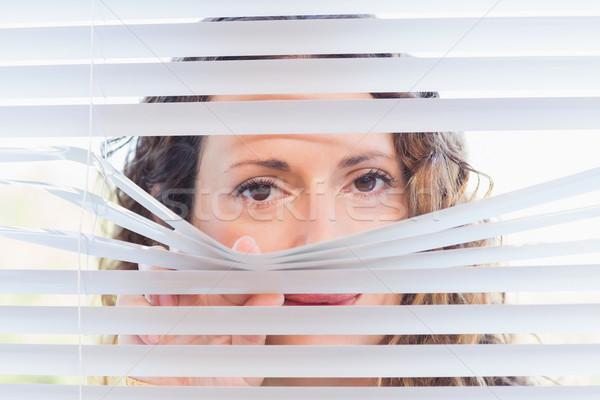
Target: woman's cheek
213, 208
377, 210
228, 220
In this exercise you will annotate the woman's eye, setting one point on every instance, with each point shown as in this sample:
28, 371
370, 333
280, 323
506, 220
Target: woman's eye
258, 192
372, 181
366, 183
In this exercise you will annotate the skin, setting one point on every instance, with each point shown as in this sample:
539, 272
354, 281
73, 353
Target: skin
303, 189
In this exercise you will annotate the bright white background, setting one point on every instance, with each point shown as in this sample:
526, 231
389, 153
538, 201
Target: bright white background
513, 159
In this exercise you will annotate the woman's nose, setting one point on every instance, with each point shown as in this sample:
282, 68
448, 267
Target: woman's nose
319, 219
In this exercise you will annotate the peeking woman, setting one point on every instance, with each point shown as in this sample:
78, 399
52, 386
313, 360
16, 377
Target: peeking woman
264, 193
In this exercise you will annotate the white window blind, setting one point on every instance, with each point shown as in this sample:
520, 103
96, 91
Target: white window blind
77, 70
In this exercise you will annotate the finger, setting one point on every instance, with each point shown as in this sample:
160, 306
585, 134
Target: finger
267, 299
130, 339
246, 244
163, 299
135, 300
131, 300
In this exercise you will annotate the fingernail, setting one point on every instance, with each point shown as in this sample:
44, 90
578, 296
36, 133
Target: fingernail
247, 238
153, 339
149, 298
246, 244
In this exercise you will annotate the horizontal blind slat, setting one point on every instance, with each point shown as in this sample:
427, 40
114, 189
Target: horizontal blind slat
302, 361
297, 116
351, 75
120, 216
62, 392
554, 359
39, 11
460, 279
448, 258
569, 35
324, 320
408, 229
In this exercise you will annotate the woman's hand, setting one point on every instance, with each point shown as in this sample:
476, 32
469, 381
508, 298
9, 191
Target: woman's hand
245, 244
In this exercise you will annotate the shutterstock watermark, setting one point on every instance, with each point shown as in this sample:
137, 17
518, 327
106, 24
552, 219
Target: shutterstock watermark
313, 203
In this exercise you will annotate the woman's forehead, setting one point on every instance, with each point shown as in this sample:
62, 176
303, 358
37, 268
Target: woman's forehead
333, 147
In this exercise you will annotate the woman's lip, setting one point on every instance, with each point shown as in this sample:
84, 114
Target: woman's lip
321, 299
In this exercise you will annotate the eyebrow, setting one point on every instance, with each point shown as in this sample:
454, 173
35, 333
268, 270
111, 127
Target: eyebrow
281, 165
368, 156
271, 163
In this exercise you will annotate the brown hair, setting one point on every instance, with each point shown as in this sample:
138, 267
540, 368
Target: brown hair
435, 172
434, 169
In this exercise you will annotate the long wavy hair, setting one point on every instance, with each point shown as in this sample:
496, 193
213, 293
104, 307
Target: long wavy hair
434, 168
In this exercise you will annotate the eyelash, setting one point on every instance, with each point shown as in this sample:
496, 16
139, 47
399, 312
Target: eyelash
375, 173
254, 182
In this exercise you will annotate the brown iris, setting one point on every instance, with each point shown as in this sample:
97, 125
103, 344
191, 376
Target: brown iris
366, 183
260, 192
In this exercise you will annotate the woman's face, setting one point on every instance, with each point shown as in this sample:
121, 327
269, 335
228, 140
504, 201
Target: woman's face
292, 190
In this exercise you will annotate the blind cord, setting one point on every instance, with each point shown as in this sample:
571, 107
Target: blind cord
87, 171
